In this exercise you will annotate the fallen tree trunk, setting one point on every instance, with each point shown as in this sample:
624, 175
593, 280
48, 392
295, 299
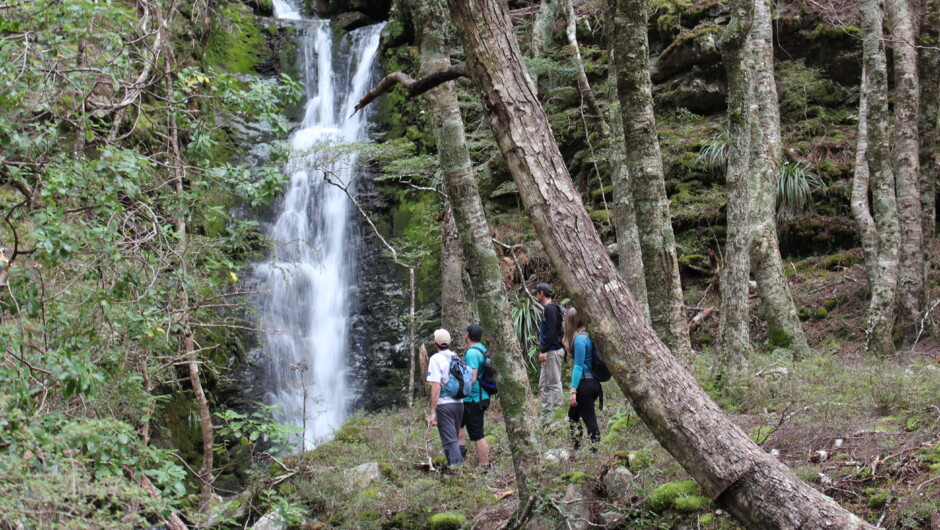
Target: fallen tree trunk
732, 469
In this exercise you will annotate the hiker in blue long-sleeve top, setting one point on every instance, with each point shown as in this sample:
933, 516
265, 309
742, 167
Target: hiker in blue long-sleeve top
585, 389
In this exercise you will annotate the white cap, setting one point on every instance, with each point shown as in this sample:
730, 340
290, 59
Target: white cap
442, 337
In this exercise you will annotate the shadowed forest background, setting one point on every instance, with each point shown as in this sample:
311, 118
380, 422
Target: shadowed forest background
741, 204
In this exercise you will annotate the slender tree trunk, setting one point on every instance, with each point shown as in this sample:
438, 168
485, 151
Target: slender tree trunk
411, 338
776, 299
861, 210
645, 166
928, 62
731, 468
584, 86
912, 284
190, 351
492, 303
734, 342
629, 254
881, 311
542, 30
455, 306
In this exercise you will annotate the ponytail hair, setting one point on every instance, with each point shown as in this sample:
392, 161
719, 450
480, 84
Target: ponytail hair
573, 328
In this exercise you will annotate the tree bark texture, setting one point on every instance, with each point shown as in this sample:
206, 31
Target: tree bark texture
861, 209
645, 165
455, 306
776, 298
629, 254
731, 468
584, 86
912, 283
542, 30
491, 302
734, 340
928, 64
881, 311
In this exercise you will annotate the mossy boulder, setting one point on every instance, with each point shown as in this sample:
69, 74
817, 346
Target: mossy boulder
575, 477
446, 521
697, 47
690, 504
665, 496
235, 41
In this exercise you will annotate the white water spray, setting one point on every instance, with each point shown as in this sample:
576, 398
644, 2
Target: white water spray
310, 273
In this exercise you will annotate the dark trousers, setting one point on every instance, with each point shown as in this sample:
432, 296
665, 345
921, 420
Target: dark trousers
588, 390
449, 418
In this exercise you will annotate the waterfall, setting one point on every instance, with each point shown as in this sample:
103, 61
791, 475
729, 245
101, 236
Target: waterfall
310, 273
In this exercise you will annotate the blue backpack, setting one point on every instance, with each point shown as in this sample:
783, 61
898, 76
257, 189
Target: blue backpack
460, 382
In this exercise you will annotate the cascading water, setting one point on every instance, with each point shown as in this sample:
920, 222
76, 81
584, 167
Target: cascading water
308, 278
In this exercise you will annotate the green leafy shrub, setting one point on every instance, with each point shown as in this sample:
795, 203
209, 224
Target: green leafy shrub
795, 188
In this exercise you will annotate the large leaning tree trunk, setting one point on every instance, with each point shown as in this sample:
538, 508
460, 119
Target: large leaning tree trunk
731, 468
456, 313
928, 65
734, 341
776, 299
884, 288
491, 301
644, 163
912, 282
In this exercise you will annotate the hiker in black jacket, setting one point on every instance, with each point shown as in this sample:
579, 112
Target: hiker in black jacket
551, 352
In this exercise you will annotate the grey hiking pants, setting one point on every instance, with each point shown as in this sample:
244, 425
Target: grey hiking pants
550, 381
449, 418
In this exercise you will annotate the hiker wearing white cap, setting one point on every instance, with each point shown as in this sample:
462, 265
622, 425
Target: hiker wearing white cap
446, 410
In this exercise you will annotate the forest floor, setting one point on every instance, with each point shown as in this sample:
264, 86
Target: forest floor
864, 431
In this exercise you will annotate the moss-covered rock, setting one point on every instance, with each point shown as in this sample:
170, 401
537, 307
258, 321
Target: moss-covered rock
690, 503
575, 477
665, 495
236, 41
446, 521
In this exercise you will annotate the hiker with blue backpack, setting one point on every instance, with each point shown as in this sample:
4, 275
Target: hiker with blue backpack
451, 380
587, 374
478, 401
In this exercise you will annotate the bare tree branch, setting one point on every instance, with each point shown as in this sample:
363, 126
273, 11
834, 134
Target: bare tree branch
415, 87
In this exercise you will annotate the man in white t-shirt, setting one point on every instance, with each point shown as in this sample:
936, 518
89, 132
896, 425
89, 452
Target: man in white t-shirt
446, 412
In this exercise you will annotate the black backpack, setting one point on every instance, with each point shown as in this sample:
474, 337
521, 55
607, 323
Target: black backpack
487, 376
598, 367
